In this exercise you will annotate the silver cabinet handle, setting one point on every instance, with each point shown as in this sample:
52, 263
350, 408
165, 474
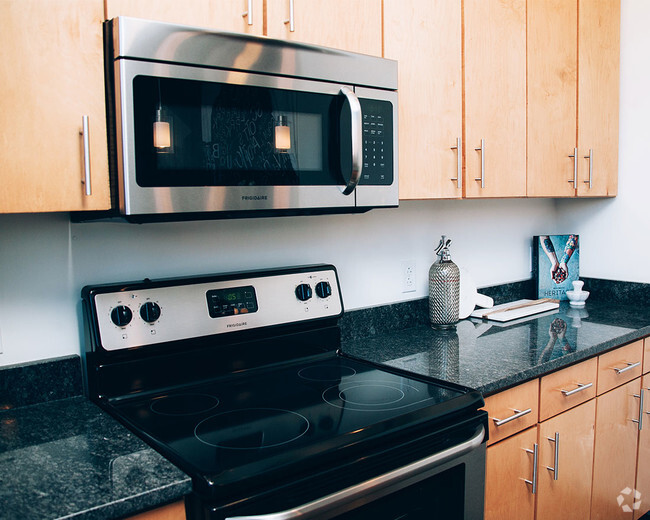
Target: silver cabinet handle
319, 507
591, 167
629, 366
574, 181
517, 415
290, 20
249, 13
459, 164
640, 420
556, 462
535, 452
85, 134
581, 387
357, 141
482, 150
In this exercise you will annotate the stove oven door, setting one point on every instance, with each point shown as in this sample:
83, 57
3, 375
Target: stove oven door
448, 485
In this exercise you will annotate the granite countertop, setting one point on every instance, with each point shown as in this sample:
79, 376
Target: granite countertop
491, 356
66, 458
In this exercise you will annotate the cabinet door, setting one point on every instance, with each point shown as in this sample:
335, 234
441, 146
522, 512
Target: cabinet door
598, 85
175, 511
352, 26
508, 465
643, 465
495, 98
615, 450
52, 76
552, 103
430, 95
568, 441
215, 14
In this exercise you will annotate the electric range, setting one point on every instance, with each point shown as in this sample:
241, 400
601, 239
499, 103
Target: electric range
239, 380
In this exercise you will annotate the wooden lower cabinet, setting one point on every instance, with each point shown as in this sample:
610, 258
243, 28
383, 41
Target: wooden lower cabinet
615, 451
175, 511
643, 459
564, 491
508, 466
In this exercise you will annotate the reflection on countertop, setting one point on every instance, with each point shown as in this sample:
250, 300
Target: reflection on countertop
491, 356
69, 459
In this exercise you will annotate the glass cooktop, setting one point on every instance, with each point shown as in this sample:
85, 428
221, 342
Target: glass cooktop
266, 419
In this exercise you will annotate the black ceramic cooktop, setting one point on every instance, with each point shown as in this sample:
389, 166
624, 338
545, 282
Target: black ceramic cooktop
243, 425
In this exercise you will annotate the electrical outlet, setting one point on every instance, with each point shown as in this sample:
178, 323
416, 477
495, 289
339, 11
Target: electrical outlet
408, 276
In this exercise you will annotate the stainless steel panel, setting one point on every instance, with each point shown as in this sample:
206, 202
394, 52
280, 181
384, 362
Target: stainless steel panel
148, 40
377, 196
184, 310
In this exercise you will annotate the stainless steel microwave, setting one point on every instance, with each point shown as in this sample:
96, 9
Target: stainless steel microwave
215, 124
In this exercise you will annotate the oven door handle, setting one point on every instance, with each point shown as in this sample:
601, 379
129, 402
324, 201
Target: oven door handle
317, 508
357, 139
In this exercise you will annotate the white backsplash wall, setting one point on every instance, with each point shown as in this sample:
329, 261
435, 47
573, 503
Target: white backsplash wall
46, 260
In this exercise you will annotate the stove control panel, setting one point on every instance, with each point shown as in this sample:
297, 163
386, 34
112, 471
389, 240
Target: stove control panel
150, 313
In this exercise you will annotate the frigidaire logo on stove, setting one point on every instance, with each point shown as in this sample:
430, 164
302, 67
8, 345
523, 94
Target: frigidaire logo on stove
233, 325
254, 197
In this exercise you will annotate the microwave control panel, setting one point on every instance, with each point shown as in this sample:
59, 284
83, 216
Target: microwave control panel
377, 142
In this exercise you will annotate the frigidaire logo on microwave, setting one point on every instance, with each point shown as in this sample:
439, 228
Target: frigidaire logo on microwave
254, 197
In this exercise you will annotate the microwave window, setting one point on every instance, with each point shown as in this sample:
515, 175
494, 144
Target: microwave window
197, 133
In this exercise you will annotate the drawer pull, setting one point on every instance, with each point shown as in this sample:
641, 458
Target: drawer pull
533, 482
629, 366
581, 387
517, 415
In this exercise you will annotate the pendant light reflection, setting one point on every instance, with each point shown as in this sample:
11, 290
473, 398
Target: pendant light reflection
282, 135
162, 128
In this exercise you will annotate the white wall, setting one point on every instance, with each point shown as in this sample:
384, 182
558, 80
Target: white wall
615, 233
45, 260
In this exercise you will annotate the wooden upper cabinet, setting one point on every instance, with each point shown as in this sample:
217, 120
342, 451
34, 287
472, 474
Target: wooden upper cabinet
552, 102
573, 86
598, 93
352, 26
495, 98
226, 15
430, 94
52, 76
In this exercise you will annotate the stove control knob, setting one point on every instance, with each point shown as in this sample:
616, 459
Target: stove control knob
303, 292
150, 311
121, 315
323, 289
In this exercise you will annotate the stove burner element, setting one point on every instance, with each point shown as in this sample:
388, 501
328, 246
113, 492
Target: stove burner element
375, 396
371, 395
251, 428
326, 372
184, 404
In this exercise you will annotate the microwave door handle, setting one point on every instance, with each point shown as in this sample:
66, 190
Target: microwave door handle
357, 139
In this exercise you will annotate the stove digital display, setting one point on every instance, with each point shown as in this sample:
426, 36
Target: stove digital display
231, 301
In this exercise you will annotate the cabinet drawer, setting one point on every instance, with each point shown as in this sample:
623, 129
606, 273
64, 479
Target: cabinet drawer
567, 388
646, 355
619, 366
512, 410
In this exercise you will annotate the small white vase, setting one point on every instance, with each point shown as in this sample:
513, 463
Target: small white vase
577, 297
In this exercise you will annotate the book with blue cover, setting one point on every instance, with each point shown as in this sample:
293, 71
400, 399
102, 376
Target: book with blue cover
556, 262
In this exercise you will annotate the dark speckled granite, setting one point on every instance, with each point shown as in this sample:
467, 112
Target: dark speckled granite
40, 381
630, 293
68, 459
491, 356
